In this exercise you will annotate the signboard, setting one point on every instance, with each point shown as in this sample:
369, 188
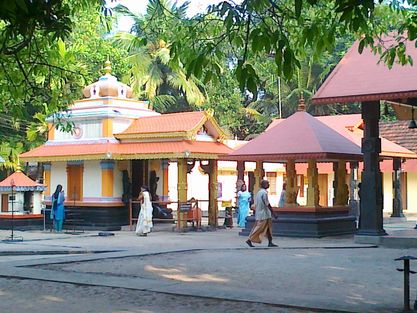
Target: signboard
185, 207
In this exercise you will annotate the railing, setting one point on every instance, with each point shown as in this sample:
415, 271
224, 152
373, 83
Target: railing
191, 207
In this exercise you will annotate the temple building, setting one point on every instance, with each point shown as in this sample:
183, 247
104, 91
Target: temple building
117, 145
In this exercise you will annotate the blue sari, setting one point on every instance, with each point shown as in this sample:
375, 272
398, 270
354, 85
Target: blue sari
243, 198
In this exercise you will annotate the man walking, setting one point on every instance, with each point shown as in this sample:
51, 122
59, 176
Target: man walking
263, 217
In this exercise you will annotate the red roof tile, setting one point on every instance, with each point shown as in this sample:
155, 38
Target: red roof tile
399, 133
165, 123
361, 77
18, 179
145, 150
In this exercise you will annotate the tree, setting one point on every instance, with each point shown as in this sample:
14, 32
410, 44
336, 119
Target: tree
287, 30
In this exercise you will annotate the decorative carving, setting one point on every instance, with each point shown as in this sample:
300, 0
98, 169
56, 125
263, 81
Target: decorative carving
190, 165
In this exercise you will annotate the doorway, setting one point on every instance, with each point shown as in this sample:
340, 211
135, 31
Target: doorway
139, 176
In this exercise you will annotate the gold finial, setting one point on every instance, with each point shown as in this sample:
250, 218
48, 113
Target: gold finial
301, 104
18, 168
107, 66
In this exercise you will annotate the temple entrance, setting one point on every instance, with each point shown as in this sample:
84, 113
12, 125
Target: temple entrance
4, 202
139, 176
74, 182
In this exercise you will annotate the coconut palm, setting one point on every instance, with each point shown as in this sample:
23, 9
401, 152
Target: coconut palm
154, 74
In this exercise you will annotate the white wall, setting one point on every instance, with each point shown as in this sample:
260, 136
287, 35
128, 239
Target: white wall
387, 191
58, 175
92, 179
117, 182
411, 193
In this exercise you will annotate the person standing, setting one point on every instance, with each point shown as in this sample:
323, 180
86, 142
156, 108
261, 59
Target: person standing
263, 218
243, 199
144, 225
58, 208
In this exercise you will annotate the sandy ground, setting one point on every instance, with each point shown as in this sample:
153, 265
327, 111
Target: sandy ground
317, 273
18, 296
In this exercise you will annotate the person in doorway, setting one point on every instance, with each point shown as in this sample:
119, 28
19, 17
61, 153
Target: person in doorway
58, 208
243, 199
281, 202
263, 218
144, 225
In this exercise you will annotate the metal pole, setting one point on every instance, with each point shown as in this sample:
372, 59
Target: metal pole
12, 213
279, 97
406, 285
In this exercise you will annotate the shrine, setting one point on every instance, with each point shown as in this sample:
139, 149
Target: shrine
117, 145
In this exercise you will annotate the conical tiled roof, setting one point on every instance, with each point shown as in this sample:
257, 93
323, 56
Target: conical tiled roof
299, 137
20, 182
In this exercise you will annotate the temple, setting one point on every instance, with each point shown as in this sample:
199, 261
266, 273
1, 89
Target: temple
118, 144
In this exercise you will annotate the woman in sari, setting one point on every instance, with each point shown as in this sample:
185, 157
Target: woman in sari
58, 209
144, 224
243, 199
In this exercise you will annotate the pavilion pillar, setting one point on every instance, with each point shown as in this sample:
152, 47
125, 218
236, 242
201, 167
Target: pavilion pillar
342, 190
259, 175
335, 180
313, 192
182, 192
291, 191
213, 205
165, 191
353, 202
397, 207
371, 218
240, 167
107, 178
47, 177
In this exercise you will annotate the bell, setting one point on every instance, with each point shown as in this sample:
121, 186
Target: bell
412, 124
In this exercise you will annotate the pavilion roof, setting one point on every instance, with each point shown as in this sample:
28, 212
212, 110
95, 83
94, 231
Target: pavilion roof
299, 137
20, 182
127, 151
349, 126
361, 77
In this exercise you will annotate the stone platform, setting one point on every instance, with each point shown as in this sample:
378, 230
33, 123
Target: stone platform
313, 222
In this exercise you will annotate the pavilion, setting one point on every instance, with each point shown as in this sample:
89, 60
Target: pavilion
301, 138
363, 78
23, 196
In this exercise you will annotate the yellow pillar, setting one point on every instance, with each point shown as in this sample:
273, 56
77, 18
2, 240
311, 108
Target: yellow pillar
107, 127
182, 191
107, 178
342, 190
313, 191
51, 131
291, 191
165, 190
213, 205
47, 178
259, 175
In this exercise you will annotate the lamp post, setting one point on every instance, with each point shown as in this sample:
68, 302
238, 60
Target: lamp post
12, 237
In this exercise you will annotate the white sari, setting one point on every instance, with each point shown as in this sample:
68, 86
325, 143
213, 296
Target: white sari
144, 224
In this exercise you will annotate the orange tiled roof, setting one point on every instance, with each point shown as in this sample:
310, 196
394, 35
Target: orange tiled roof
18, 179
120, 151
166, 123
